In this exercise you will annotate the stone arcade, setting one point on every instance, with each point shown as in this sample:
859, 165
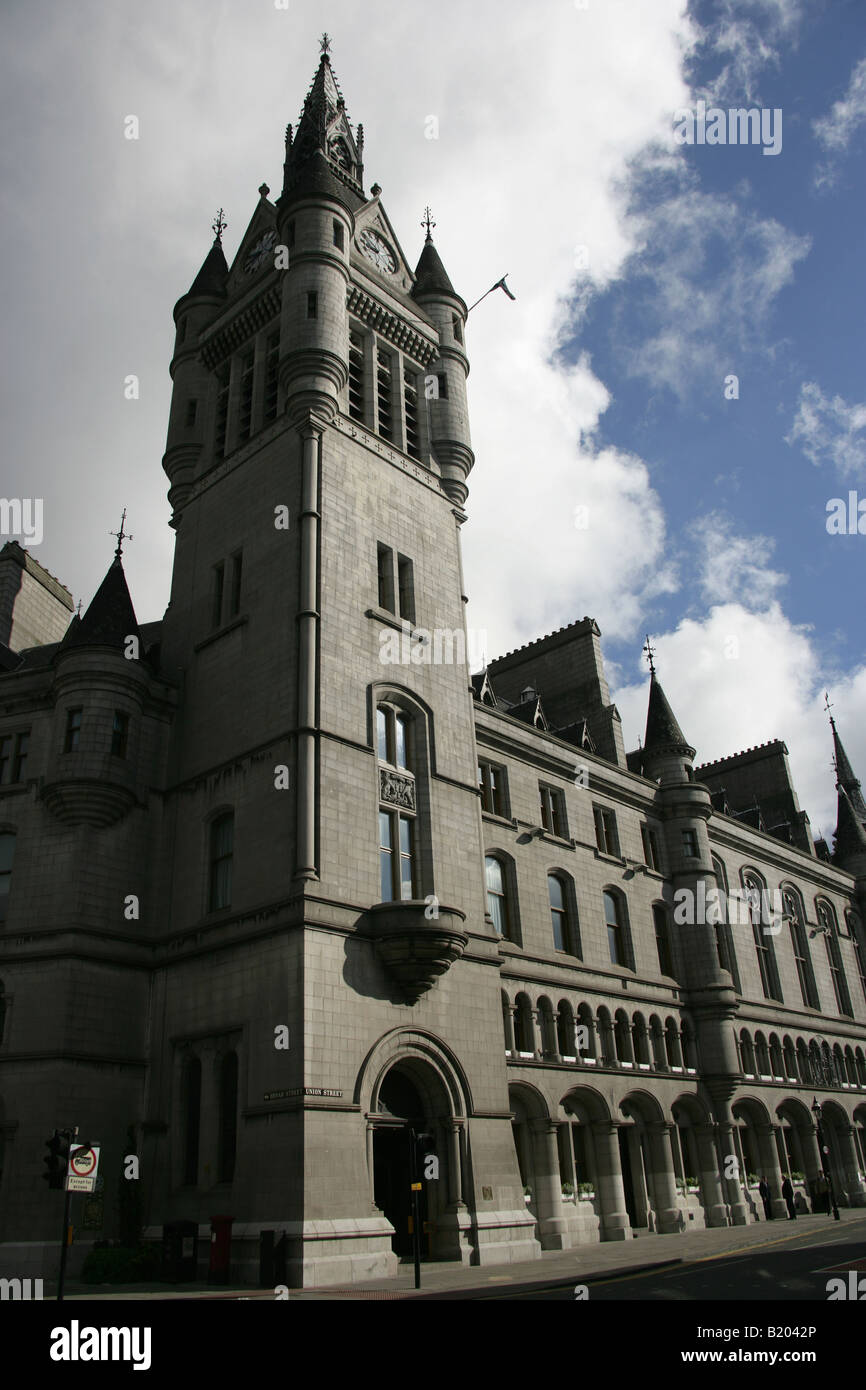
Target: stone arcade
459, 935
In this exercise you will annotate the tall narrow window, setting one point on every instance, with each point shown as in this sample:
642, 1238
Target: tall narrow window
605, 831
222, 413
228, 1119
222, 832
73, 730
800, 945
338, 234
552, 810
245, 411
290, 235
385, 573
191, 412
384, 394
442, 382
651, 855
763, 941
396, 856
219, 574
192, 1120
6, 746
827, 921
406, 584
725, 948
7, 854
237, 573
272, 362
457, 325
119, 733
491, 783
663, 939
356, 376
13, 756
497, 896
556, 893
312, 304
690, 844
855, 928
615, 930
410, 399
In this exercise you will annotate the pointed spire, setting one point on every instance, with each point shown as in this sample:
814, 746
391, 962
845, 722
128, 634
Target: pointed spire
845, 773
663, 733
323, 147
211, 279
431, 277
110, 619
850, 833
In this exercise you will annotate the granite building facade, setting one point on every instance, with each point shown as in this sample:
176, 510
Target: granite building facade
282, 884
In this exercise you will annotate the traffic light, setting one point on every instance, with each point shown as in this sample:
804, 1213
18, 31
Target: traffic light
57, 1159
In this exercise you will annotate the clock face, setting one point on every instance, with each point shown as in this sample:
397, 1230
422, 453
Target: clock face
377, 250
259, 251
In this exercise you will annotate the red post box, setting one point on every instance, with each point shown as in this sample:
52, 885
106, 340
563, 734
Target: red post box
220, 1249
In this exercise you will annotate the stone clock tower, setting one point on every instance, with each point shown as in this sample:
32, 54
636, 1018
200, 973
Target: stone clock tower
323, 774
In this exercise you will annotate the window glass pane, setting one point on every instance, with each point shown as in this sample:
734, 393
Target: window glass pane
558, 933
384, 830
386, 887
554, 887
610, 915
613, 945
405, 836
382, 734
401, 741
495, 907
7, 850
494, 876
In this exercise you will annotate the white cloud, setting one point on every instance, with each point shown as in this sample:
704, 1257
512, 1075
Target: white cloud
735, 568
772, 688
708, 277
835, 130
830, 431
747, 37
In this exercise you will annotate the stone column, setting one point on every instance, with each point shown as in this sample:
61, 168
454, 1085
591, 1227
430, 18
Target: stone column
552, 1224
455, 1165
371, 1166
308, 621
615, 1222
770, 1165
669, 1218
712, 1195
848, 1156
508, 1017
556, 1055
733, 1185
536, 1033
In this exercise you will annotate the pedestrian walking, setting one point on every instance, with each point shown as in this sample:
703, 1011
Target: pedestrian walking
788, 1194
764, 1189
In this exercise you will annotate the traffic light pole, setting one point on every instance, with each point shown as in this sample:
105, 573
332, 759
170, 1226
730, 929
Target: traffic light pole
416, 1234
65, 1246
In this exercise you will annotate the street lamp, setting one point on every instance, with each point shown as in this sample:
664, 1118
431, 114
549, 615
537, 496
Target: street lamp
816, 1111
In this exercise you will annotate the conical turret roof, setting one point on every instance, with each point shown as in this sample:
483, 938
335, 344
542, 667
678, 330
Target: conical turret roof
431, 277
663, 732
323, 155
211, 279
110, 619
845, 774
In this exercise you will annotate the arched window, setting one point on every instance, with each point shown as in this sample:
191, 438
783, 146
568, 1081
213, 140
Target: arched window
222, 834
792, 908
622, 1038
524, 1030
605, 1038
858, 941
398, 804
546, 1027
672, 1045
7, 854
747, 1054
762, 1055
804, 1064
563, 914
640, 1040
228, 1082
689, 1045
657, 1037
724, 936
617, 942
789, 1058
663, 938
756, 894
565, 1039
192, 1119
586, 1038
499, 900
860, 1060
827, 925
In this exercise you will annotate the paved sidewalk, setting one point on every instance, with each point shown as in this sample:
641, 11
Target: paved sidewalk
583, 1264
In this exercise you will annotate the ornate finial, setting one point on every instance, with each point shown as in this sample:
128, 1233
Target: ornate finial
428, 223
650, 653
325, 44
78, 609
828, 706
218, 226
263, 190
121, 536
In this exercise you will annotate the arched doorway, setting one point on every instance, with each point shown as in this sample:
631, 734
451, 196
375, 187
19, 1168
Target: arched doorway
646, 1159
400, 1117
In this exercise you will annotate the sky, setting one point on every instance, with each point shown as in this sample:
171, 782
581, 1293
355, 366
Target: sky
661, 418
